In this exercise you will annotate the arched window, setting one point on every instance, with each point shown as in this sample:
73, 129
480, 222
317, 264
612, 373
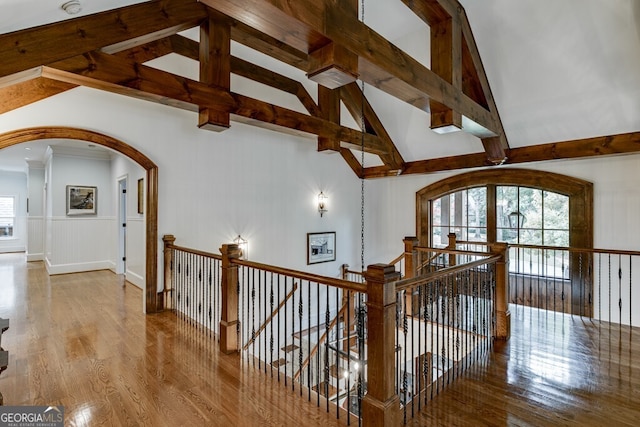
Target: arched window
520, 207
523, 215
509, 205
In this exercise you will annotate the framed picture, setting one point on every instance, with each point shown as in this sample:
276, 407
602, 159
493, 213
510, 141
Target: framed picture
81, 200
321, 247
141, 196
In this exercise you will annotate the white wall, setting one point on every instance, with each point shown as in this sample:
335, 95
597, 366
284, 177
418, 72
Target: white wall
79, 243
15, 184
35, 216
214, 186
124, 168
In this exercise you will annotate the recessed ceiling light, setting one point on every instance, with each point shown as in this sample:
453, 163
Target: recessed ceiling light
72, 7
27, 148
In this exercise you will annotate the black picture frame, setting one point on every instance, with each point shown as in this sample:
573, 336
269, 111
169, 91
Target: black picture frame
321, 247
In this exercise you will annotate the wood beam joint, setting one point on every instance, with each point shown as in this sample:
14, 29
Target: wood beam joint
333, 66
215, 67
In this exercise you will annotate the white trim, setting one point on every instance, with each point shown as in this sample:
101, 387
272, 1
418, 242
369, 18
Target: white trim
78, 268
135, 279
35, 257
7, 249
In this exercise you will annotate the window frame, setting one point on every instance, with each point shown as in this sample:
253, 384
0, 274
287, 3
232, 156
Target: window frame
13, 217
580, 195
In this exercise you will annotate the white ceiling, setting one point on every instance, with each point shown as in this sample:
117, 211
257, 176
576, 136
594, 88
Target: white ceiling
558, 70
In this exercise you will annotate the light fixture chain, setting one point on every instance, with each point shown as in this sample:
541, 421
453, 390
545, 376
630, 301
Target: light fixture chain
363, 130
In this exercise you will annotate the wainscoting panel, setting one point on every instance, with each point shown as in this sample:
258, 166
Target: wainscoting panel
81, 244
35, 238
135, 251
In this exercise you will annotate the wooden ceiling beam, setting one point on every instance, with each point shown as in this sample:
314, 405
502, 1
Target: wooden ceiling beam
352, 161
37, 89
133, 25
329, 103
446, 61
190, 49
353, 99
309, 24
619, 144
625, 143
107, 72
30, 91
269, 46
448, 16
215, 67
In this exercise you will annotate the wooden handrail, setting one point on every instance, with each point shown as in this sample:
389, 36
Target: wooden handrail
451, 251
323, 280
427, 262
406, 284
397, 259
561, 248
592, 250
268, 319
195, 252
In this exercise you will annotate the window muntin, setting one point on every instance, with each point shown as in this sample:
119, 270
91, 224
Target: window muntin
7, 216
463, 213
530, 216
524, 216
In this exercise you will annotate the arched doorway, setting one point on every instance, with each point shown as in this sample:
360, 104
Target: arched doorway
153, 302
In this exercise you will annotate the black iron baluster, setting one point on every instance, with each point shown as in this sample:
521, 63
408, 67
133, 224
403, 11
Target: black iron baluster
620, 290
300, 313
279, 324
327, 319
308, 344
284, 308
271, 339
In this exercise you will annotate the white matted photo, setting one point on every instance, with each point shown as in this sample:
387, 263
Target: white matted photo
81, 200
321, 247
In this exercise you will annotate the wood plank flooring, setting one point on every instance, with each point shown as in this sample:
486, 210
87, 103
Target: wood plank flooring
81, 341
557, 370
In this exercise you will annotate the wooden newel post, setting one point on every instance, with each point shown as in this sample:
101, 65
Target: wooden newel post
381, 404
410, 257
343, 271
452, 245
503, 315
168, 240
229, 297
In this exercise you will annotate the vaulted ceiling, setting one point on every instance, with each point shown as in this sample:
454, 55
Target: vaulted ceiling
445, 87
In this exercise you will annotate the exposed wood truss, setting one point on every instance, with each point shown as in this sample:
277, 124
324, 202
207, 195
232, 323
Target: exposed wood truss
323, 38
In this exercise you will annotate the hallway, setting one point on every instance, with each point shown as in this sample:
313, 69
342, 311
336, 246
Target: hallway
81, 341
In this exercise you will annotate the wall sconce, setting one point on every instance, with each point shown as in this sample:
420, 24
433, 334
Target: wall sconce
243, 245
322, 203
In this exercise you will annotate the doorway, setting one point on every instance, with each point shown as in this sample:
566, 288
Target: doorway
153, 299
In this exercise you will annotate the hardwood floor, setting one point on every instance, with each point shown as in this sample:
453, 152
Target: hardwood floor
81, 341
557, 370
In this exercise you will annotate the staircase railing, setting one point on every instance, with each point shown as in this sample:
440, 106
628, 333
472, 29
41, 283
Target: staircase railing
310, 332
